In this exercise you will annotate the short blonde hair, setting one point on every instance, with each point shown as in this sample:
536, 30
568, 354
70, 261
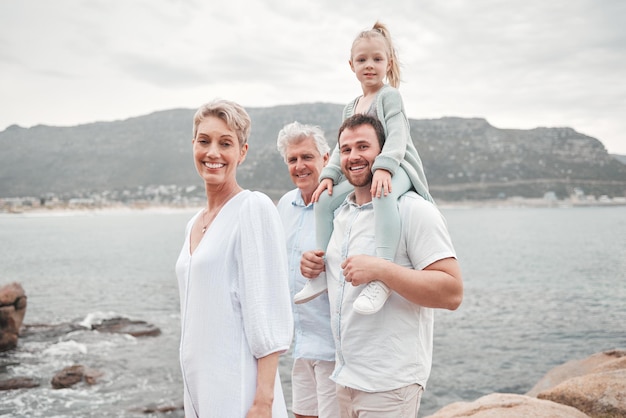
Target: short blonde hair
233, 114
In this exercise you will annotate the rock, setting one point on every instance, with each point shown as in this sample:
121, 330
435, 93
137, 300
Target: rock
68, 377
46, 332
127, 326
12, 311
156, 409
574, 368
617, 363
600, 395
499, 405
91, 376
72, 375
18, 383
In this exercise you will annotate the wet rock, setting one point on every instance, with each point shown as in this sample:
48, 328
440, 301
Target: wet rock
12, 312
72, 375
575, 368
162, 409
127, 326
91, 376
120, 325
18, 383
46, 332
68, 377
499, 405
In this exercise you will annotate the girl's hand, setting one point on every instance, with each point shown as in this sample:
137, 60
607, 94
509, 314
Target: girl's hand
324, 184
361, 269
381, 183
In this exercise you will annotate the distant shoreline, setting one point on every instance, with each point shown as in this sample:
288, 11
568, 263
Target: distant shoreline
60, 210
113, 209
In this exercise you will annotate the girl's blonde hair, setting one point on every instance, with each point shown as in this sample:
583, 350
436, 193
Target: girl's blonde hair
380, 30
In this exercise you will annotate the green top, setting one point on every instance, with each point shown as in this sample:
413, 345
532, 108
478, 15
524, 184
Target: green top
398, 151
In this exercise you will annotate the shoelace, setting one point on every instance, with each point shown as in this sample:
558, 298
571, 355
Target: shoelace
371, 290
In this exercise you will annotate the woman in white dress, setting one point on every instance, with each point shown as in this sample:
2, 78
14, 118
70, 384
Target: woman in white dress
236, 315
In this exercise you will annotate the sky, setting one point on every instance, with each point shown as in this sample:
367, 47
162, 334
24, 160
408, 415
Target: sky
520, 64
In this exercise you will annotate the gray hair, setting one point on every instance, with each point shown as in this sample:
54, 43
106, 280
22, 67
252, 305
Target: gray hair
296, 132
233, 114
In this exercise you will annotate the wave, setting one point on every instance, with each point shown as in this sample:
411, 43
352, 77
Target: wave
66, 348
97, 318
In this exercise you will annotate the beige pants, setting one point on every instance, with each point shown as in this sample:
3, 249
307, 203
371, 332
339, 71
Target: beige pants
313, 393
399, 403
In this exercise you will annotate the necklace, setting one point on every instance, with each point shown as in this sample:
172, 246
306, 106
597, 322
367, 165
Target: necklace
205, 225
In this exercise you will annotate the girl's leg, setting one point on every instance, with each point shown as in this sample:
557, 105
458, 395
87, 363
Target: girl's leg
387, 236
324, 215
325, 212
387, 217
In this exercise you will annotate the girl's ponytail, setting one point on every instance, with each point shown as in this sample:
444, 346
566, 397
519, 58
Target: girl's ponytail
393, 75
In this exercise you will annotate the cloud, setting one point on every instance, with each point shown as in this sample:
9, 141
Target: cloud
518, 63
161, 73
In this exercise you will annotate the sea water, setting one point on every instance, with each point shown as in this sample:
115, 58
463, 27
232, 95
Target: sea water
542, 286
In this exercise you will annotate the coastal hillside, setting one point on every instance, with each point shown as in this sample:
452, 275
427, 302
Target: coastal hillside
463, 158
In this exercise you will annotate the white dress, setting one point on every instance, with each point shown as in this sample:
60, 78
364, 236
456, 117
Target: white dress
235, 307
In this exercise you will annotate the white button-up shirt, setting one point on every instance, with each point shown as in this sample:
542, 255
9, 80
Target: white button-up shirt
393, 347
312, 335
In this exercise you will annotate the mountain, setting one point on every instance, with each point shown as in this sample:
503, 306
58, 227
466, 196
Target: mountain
469, 158
620, 158
463, 158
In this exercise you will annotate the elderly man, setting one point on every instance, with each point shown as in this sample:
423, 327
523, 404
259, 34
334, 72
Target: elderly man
383, 360
305, 151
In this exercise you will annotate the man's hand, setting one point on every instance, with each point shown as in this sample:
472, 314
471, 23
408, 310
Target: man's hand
312, 264
381, 183
362, 269
324, 184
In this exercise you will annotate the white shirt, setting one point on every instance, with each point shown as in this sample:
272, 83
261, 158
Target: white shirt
235, 307
393, 347
313, 338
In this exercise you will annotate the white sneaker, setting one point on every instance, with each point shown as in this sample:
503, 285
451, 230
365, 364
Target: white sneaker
372, 298
312, 289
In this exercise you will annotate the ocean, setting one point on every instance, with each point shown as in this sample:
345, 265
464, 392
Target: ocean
542, 286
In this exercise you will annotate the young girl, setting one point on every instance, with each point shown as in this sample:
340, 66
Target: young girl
396, 170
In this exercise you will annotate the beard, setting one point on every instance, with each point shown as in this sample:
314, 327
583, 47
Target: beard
359, 181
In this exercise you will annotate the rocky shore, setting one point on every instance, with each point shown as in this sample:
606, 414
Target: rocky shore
12, 328
591, 387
